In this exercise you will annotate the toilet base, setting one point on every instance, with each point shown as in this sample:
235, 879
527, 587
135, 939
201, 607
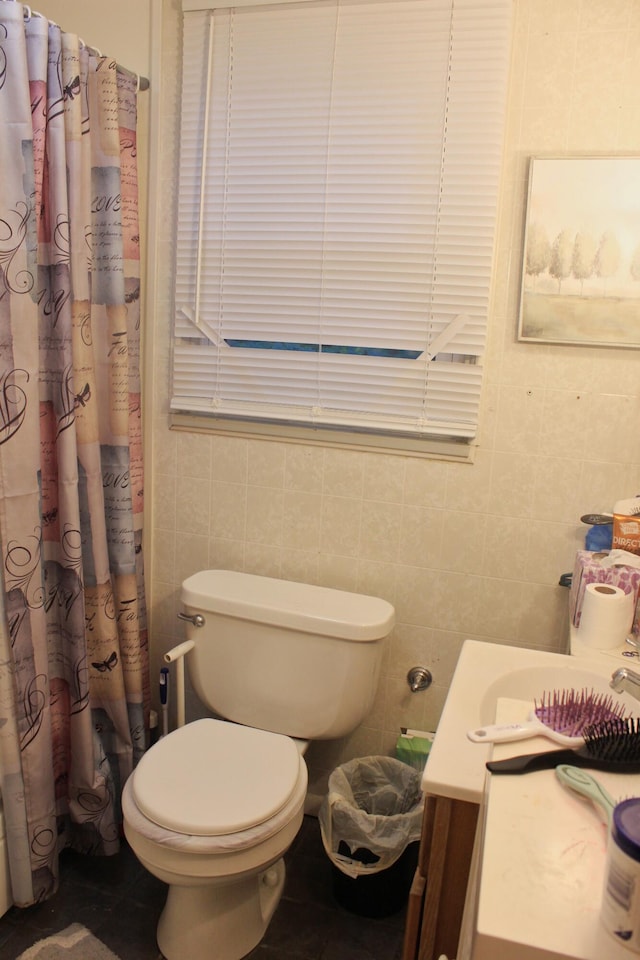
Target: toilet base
225, 921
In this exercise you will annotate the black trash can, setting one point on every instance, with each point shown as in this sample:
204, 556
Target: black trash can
370, 823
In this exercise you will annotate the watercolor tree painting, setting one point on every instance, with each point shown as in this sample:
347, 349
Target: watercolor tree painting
581, 263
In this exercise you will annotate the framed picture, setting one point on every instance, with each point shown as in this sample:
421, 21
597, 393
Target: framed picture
581, 263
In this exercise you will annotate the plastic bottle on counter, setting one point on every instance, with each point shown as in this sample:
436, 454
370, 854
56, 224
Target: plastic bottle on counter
620, 911
599, 537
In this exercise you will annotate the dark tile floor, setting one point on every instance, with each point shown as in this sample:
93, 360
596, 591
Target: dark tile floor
120, 903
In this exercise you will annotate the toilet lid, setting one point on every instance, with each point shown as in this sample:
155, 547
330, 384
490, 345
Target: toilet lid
212, 777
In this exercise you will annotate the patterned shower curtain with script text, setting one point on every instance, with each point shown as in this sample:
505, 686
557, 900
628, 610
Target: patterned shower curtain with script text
74, 688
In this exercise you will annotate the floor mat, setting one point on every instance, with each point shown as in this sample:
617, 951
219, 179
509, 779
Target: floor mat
73, 943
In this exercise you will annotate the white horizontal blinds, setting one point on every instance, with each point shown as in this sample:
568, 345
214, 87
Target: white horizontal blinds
335, 218
269, 149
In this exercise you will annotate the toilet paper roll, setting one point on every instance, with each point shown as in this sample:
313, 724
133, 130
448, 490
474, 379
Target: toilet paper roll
607, 615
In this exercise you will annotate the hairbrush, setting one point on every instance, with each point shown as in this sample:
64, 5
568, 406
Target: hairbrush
562, 716
613, 746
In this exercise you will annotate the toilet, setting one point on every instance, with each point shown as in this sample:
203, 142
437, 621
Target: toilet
212, 808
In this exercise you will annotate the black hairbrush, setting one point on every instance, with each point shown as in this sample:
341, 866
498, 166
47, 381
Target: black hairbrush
613, 746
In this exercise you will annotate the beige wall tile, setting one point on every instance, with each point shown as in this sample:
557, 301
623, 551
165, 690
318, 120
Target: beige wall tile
165, 449
421, 537
376, 579
164, 565
337, 571
499, 608
301, 520
599, 479
544, 620
555, 494
228, 510
192, 505
194, 455
304, 468
263, 559
192, 555
416, 592
455, 602
266, 462
404, 708
552, 550
230, 459
340, 532
410, 645
463, 540
300, 565
506, 548
380, 530
519, 419
344, 473
468, 489
425, 482
512, 485
164, 499
265, 511
383, 477
226, 554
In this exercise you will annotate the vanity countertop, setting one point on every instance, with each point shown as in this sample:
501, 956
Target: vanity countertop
486, 671
542, 865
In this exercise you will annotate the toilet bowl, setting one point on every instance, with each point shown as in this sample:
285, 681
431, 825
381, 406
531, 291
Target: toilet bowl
212, 807
210, 811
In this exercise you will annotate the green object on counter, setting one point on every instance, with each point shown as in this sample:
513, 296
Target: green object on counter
587, 786
413, 746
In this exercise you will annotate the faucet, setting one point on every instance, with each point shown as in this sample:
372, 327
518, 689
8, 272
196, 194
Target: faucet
625, 680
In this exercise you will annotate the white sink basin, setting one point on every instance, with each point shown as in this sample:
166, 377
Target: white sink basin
530, 683
485, 673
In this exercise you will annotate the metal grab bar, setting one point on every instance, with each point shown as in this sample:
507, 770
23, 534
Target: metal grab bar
176, 655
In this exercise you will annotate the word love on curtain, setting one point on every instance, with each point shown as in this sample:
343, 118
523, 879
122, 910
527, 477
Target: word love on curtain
74, 689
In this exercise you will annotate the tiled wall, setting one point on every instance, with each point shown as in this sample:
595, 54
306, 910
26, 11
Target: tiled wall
460, 550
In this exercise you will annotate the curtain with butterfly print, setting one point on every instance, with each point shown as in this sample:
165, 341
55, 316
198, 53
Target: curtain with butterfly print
74, 683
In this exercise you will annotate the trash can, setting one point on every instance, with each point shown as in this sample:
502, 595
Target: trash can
370, 823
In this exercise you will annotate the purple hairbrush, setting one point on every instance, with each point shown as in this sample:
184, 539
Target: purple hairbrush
562, 716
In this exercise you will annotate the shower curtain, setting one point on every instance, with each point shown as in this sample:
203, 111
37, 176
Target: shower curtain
74, 688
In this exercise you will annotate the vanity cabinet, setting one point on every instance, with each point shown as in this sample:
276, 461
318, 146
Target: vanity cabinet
454, 782
437, 896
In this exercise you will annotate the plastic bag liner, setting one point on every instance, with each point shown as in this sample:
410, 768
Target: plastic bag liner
372, 811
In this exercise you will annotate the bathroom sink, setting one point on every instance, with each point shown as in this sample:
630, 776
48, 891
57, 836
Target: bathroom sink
530, 683
485, 673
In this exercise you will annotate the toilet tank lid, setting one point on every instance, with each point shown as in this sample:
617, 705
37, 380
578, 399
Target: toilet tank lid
286, 603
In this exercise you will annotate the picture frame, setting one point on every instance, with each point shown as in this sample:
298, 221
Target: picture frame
581, 258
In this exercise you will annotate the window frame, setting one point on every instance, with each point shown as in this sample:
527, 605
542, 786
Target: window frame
443, 446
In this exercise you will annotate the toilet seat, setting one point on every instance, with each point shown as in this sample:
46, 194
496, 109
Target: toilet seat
212, 778
192, 844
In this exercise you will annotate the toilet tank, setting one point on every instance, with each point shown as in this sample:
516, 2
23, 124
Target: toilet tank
283, 656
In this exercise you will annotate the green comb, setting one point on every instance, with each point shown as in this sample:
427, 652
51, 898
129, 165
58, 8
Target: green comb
587, 786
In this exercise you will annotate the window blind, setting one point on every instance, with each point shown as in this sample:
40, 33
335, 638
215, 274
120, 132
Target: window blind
339, 172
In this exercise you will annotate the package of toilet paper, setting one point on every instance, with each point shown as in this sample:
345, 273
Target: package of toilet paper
616, 568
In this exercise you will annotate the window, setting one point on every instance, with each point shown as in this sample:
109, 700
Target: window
339, 175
